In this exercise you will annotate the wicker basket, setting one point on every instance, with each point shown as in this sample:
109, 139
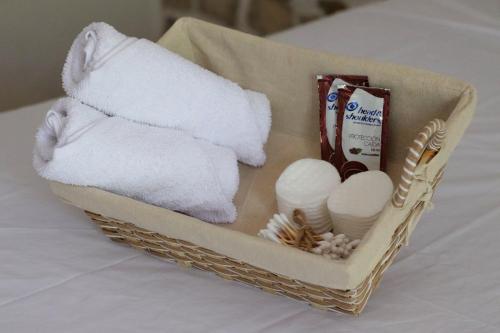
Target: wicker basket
234, 252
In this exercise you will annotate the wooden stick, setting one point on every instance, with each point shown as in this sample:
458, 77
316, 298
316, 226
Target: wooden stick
307, 239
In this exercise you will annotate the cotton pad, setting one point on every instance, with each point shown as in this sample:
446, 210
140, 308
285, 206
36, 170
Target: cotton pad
356, 203
306, 185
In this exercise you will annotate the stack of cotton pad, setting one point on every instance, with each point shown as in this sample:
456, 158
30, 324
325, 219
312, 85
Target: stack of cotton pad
357, 202
306, 185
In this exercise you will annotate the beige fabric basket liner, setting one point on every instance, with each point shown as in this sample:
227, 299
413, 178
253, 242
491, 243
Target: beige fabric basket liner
287, 75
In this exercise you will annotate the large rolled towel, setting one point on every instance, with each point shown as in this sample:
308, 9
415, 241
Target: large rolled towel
142, 81
81, 146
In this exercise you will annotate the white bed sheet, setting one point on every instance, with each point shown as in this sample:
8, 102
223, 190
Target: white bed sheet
58, 273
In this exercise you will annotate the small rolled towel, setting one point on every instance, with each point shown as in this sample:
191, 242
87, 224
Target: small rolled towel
79, 145
142, 81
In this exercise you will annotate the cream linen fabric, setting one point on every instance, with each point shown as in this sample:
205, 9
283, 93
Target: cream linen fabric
286, 75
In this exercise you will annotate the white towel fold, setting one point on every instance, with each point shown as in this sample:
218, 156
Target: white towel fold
142, 81
262, 108
81, 146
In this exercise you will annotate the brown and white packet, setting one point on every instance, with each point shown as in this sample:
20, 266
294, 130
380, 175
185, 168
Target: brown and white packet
362, 129
328, 108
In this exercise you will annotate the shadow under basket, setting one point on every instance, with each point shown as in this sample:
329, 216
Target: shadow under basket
427, 111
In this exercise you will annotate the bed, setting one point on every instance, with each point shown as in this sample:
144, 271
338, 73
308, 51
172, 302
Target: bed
59, 273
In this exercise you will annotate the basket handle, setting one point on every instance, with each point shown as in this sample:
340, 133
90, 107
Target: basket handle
430, 140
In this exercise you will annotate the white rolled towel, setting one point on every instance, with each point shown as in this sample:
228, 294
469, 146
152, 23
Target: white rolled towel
142, 81
79, 145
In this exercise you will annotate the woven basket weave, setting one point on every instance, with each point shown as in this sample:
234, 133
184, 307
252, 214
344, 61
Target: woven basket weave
441, 107
190, 255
